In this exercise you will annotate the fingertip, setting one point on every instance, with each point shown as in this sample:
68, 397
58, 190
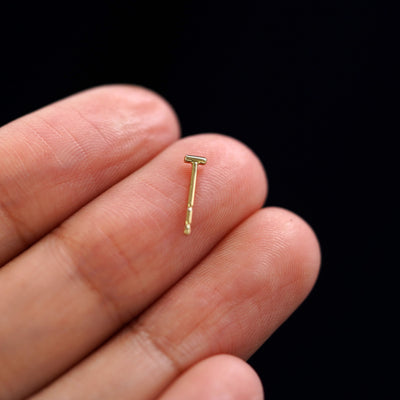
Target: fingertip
131, 105
295, 241
237, 154
220, 376
240, 376
233, 166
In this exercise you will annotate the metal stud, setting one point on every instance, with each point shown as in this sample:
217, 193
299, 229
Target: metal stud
195, 161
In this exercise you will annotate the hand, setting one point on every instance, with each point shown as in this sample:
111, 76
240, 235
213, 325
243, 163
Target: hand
102, 296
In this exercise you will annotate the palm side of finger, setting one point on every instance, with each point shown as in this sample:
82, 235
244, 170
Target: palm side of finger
117, 255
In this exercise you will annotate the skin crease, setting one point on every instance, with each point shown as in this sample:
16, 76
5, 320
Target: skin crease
98, 246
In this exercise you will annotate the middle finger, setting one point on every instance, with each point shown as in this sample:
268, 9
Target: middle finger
112, 259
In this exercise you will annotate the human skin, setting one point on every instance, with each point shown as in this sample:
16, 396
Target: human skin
102, 296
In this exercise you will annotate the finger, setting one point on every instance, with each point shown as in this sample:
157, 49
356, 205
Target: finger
231, 303
55, 160
117, 255
218, 377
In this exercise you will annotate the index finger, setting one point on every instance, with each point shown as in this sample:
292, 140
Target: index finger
57, 159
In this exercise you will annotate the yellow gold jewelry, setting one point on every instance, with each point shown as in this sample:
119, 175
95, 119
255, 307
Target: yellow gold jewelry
195, 161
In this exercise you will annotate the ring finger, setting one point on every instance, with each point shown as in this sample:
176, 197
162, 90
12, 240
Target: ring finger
239, 294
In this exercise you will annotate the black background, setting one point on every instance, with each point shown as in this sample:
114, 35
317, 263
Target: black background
295, 80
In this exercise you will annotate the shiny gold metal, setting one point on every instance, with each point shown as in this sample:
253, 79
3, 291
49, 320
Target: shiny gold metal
195, 161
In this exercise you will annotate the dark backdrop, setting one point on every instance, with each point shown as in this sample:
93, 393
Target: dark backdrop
295, 80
